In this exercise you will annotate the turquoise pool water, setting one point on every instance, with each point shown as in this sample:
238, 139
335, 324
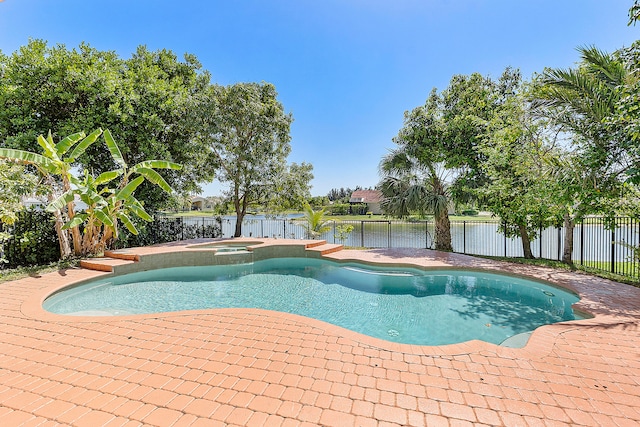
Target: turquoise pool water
405, 305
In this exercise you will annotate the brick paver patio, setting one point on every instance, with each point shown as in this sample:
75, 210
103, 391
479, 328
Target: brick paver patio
258, 368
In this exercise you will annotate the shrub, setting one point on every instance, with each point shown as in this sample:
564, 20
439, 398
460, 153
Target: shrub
32, 241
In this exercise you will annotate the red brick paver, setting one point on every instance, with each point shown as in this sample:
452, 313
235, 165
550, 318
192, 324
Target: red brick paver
255, 367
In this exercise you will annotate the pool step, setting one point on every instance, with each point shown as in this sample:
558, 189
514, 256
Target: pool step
122, 254
315, 244
103, 264
325, 248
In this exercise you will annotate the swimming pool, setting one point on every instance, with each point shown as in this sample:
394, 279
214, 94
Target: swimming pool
405, 305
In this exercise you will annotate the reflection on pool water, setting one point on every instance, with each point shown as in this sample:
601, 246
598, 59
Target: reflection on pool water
403, 305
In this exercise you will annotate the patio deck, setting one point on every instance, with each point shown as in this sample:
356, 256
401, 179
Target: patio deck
251, 367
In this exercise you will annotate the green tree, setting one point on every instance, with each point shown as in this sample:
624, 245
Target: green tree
439, 156
14, 184
146, 100
247, 132
516, 151
290, 188
464, 110
580, 101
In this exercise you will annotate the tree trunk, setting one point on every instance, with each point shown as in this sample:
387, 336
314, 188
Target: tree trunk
75, 232
526, 242
568, 239
239, 218
63, 237
443, 233
240, 204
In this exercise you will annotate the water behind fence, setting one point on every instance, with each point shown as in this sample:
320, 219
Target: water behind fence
594, 244
605, 246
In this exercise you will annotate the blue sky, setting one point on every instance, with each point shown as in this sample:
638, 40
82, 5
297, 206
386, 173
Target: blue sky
346, 69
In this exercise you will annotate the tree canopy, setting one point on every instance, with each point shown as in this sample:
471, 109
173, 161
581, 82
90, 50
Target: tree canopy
143, 100
246, 139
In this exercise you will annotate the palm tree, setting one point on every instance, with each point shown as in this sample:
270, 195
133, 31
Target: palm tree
316, 224
580, 101
410, 185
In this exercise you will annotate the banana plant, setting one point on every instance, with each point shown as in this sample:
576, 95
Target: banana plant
55, 165
107, 204
122, 202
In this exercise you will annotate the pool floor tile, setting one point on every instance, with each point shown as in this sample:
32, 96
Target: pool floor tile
250, 367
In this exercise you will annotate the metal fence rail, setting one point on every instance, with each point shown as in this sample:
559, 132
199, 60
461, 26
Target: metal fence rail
598, 243
608, 245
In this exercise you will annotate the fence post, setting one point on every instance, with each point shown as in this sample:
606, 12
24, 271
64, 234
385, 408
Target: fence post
262, 228
613, 247
505, 238
464, 237
334, 231
362, 234
284, 228
202, 228
559, 240
582, 242
540, 242
426, 234
389, 235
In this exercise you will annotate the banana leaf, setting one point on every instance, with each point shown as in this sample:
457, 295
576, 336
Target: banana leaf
155, 178
136, 207
48, 147
129, 188
104, 218
128, 223
105, 177
63, 146
157, 164
84, 144
60, 202
27, 157
76, 221
114, 150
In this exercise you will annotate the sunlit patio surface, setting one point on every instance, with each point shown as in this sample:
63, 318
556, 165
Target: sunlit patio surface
252, 367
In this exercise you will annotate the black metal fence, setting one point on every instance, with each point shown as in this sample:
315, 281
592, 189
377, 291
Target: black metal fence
170, 229
600, 244
33, 241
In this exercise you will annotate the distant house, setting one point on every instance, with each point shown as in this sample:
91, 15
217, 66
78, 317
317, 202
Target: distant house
40, 204
33, 203
197, 203
371, 198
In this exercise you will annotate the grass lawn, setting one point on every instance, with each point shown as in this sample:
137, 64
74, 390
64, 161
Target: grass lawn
207, 213
560, 265
386, 218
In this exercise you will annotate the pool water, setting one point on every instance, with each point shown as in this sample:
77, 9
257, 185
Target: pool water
404, 305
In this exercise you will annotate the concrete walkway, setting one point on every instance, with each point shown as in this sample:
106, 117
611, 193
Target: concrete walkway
251, 367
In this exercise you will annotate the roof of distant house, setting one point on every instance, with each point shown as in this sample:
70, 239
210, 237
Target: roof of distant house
366, 196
